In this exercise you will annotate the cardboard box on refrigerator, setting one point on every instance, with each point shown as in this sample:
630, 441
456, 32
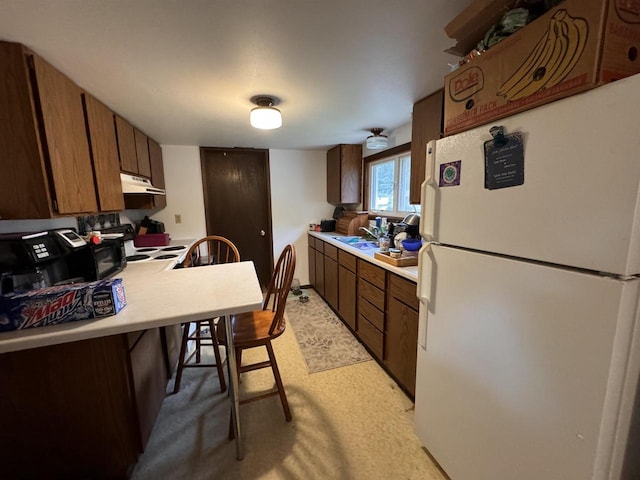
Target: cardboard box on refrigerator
575, 46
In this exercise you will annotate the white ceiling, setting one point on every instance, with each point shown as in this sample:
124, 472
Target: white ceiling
184, 71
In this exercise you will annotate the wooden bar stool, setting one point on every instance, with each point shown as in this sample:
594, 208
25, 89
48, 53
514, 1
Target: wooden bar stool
210, 250
259, 328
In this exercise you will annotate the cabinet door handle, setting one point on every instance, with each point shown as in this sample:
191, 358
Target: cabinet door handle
262, 233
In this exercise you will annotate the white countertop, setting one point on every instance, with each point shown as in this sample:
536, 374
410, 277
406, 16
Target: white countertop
410, 273
156, 297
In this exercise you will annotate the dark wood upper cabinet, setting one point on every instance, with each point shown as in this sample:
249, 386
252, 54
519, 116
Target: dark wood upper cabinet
142, 153
157, 172
45, 162
344, 174
126, 145
426, 126
104, 154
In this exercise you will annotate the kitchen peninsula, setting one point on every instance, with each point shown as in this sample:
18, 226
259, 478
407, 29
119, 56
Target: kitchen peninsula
78, 400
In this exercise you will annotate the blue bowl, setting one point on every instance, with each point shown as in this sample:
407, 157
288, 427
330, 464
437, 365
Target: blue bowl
412, 244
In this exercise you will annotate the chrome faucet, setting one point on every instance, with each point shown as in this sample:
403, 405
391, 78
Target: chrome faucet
374, 232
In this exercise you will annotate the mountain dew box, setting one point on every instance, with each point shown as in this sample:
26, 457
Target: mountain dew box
575, 46
60, 304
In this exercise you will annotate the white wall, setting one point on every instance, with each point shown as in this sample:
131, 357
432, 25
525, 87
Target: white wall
298, 197
183, 183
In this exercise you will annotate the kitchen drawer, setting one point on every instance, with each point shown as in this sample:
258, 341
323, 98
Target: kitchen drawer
319, 245
371, 313
371, 293
311, 241
331, 252
371, 336
403, 290
371, 273
347, 260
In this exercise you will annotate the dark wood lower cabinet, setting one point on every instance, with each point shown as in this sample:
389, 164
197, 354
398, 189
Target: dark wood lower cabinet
401, 331
380, 307
82, 409
331, 282
347, 296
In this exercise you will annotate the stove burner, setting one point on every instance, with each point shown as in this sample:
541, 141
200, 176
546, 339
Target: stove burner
174, 248
147, 249
137, 258
165, 256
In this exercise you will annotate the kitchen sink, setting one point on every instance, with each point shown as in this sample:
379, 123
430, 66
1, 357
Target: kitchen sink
357, 242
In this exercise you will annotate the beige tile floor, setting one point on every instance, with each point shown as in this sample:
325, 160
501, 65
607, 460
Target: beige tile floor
348, 423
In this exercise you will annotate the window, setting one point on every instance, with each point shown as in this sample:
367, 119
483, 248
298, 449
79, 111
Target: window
389, 181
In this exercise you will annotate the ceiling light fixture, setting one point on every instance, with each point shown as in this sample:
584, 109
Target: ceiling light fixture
377, 141
265, 116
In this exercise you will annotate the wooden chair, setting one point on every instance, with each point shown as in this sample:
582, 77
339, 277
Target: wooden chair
259, 328
206, 251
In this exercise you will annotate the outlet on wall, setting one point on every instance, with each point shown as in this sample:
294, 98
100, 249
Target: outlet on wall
178, 218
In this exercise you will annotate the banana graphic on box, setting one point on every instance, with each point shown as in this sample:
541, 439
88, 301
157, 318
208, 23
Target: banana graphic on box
552, 58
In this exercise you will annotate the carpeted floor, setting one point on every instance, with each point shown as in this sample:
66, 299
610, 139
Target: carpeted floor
348, 423
322, 337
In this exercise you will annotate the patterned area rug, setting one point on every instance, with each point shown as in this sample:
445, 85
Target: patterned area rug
324, 340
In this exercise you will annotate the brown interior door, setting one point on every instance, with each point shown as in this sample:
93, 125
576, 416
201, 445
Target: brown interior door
237, 202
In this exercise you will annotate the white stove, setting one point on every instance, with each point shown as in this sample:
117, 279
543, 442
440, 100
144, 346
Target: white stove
149, 254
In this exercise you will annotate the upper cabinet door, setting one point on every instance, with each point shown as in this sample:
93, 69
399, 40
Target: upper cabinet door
344, 174
126, 146
426, 126
157, 172
66, 140
142, 153
104, 152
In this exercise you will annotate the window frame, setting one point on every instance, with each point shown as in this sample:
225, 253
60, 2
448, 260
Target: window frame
398, 151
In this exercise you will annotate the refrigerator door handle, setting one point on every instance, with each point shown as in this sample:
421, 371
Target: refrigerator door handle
424, 287
428, 192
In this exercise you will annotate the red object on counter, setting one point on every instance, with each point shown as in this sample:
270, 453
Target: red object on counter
151, 240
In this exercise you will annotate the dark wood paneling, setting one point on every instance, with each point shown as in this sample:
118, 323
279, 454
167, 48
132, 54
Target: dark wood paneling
238, 202
331, 281
126, 145
371, 336
347, 295
426, 125
66, 139
25, 189
312, 266
347, 260
104, 153
142, 153
67, 411
157, 172
371, 313
371, 293
331, 252
319, 246
401, 343
344, 174
404, 290
319, 272
371, 273
333, 175
149, 377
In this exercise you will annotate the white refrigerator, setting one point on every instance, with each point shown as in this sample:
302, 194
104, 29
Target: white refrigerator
529, 332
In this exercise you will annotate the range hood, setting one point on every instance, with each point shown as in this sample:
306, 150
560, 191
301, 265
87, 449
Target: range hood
134, 184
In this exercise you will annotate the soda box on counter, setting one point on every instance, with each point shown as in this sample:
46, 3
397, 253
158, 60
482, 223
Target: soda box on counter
61, 303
